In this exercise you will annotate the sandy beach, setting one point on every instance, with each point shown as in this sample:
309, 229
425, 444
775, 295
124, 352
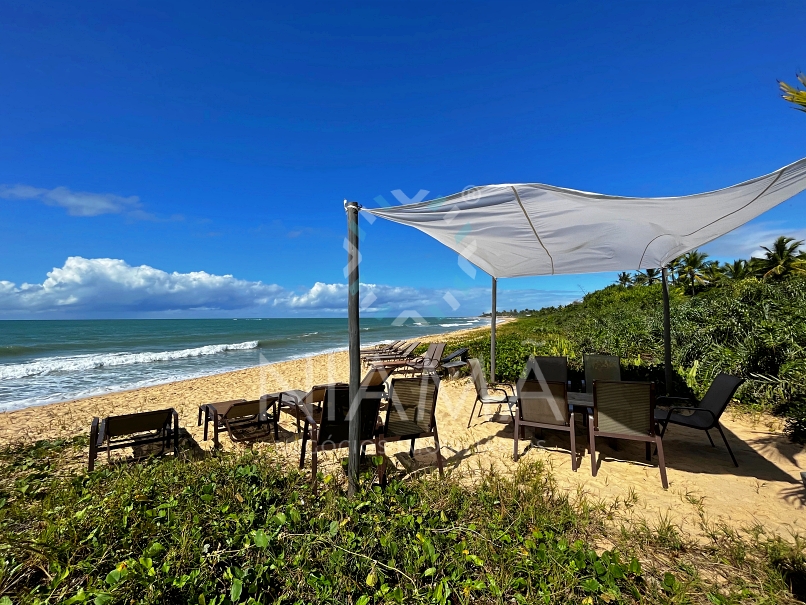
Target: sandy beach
765, 490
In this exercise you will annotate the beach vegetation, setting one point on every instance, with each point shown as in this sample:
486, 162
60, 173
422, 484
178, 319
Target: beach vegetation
243, 528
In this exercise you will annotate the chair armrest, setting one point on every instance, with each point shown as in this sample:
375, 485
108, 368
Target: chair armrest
499, 389
688, 409
499, 385
308, 418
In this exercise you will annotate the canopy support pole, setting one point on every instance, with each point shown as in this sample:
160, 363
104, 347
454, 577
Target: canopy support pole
667, 333
353, 330
492, 332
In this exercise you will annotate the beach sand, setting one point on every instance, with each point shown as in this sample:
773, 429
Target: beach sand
764, 490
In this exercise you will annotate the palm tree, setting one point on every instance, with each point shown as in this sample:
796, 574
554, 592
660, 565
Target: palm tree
738, 269
712, 273
676, 269
625, 279
794, 95
782, 259
692, 266
648, 277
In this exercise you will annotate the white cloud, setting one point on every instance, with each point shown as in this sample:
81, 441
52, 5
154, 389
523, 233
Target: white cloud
747, 240
108, 285
101, 286
77, 203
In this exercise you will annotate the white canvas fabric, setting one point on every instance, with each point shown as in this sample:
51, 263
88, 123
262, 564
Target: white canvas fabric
525, 229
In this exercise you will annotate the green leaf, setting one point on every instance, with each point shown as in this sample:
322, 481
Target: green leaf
591, 585
475, 560
154, 549
430, 572
362, 600
235, 591
5, 601
260, 538
334, 528
372, 579
279, 518
102, 598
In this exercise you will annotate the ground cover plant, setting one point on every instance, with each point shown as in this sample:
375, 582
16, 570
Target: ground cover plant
244, 528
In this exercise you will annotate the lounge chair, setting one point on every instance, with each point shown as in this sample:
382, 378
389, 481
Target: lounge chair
543, 404
131, 430
411, 414
237, 415
600, 367
427, 362
453, 362
329, 428
553, 369
382, 348
483, 396
625, 410
706, 413
405, 353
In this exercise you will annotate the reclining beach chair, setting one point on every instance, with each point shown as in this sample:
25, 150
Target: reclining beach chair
706, 413
329, 427
238, 415
427, 362
553, 369
600, 367
132, 430
405, 353
544, 405
625, 410
411, 414
483, 396
382, 348
393, 349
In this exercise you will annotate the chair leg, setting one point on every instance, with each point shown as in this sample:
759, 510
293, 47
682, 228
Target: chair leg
707, 434
304, 442
573, 445
381, 451
471, 412
439, 452
648, 451
411, 449
727, 445
276, 413
314, 464
661, 462
592, 446
206, 421
517, 432
93, 445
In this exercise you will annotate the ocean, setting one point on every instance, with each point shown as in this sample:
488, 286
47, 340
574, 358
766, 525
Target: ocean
47, 361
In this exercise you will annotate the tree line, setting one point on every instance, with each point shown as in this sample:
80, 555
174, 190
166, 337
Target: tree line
784, 259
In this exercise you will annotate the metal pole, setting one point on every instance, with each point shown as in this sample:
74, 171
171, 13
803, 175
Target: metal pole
353, 330
492, 334
667, 333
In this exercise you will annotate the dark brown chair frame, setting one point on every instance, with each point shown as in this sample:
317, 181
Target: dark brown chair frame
134, 429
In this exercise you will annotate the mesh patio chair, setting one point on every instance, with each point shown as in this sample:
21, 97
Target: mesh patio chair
483, 396
329, 429
132, 430
382, 348
411, 414
429, 363
553, 369
415, 364
600, 367
544, 405
705, 415
625, 410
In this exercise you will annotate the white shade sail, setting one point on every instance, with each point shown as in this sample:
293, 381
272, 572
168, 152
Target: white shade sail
517, 230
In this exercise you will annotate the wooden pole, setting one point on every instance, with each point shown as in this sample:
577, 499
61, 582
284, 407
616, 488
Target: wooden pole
353, 330
667, 333
492, 333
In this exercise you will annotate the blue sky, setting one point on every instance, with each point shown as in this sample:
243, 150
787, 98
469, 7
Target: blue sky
148, 151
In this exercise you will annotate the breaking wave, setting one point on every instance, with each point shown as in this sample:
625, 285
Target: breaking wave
51, 365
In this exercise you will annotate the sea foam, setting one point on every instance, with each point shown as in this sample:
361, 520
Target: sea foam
76, 363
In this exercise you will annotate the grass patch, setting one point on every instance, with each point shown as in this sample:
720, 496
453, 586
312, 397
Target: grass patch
243, 528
